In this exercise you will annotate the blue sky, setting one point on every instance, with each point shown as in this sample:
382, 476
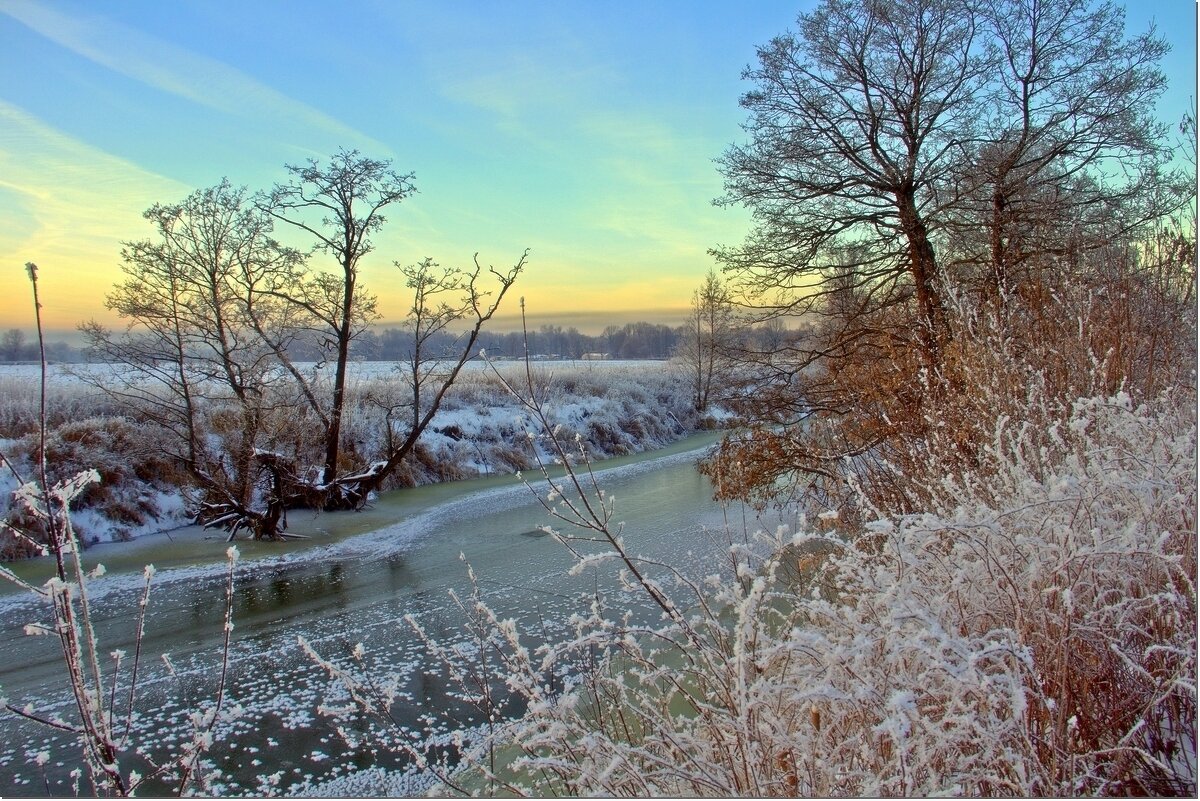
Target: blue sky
583, 131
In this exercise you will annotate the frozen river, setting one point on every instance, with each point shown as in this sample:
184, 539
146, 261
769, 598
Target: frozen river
352, 582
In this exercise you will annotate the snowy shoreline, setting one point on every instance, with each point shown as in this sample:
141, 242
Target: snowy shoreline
124, 561
615, 408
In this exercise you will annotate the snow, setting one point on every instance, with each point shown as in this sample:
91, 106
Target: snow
944, 652
617, 407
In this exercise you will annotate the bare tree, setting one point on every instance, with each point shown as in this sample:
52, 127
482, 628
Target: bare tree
340, 205
1069, 98
900, 150
855, 123
707, 340
442, 297
217, 309
199, 299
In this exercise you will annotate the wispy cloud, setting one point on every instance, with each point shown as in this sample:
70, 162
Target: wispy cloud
199, 79
531, 97
69, 206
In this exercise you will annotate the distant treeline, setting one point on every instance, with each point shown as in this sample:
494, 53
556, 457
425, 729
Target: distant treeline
14, 347
630, 341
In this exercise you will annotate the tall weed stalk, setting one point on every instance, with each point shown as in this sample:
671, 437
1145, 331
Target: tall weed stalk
104, 691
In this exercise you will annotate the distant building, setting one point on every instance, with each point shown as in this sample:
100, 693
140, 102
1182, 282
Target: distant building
596, 357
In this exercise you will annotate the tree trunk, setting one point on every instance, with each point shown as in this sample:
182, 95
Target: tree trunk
934, 329
997, 286
333, 435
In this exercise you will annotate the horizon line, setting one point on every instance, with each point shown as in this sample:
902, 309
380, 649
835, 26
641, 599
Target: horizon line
586, 322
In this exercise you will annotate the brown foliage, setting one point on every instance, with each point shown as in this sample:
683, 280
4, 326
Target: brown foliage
880, 427
130, 461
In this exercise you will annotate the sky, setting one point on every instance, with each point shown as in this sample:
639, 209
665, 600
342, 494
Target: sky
583, 131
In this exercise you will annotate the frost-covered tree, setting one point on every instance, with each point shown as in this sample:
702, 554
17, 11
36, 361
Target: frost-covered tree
12, 344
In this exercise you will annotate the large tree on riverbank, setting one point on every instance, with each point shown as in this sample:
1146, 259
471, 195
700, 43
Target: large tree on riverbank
854, 126
900, 147
204, 327
340, 206
907, 156
217, 309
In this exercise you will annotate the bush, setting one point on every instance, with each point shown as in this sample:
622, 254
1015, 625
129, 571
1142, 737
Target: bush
880, 428
1030, 635
133, 471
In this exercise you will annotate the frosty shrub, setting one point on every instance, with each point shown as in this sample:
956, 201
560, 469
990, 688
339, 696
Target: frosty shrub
134, 474
1031, 633
106, 704
104, 688
877, 426
1034, 639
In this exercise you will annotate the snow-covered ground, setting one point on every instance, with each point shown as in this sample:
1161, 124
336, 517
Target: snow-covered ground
616, 408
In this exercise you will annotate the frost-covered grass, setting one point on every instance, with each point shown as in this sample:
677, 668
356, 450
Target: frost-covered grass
67, 399
1036, 639
1002, 601
1028, 634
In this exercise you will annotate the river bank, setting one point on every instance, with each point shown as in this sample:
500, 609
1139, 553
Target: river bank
385, 526
354, 585
481, 430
